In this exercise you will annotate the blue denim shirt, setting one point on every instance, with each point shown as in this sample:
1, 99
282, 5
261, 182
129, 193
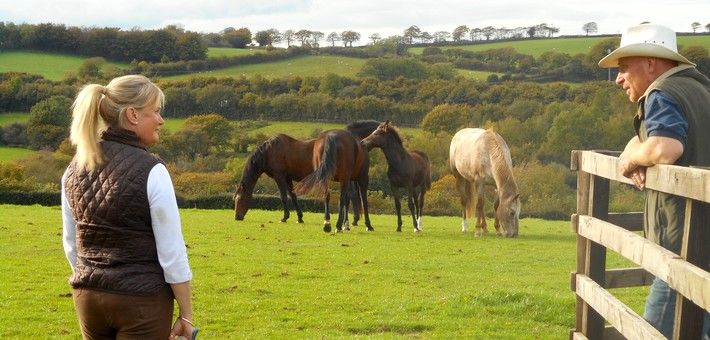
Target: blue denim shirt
663, 117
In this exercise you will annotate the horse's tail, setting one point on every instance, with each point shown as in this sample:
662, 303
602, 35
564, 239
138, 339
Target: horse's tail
318, 180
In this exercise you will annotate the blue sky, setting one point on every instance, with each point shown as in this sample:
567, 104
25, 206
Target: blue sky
363, 16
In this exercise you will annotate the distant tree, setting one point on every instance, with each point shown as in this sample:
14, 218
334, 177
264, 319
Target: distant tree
267, 37
696, 26
590, 27
459, 33
374, 37
412, 33
348, 37
288, 36
317, 36
488, 32
475, 33
91, 68
238, 38
426, 37
707, 27
333, 37
303, 36
441, 36
218, 129
446, 117
192, 47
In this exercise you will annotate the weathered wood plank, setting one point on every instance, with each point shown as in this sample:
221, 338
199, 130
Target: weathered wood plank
632, 221
627, 277
688, 279
678, 180
624, 319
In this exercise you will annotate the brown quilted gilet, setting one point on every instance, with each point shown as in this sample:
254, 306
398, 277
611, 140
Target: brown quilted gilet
116, 249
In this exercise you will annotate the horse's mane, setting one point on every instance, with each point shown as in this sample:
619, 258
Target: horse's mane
500, 162
257, 162
362, 128
395, 134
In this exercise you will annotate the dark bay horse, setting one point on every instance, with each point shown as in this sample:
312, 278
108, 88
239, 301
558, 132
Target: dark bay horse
476, 156
283, 158
410, 170
360, 129
338, 155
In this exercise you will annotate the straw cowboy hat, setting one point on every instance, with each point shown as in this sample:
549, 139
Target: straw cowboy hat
646, 40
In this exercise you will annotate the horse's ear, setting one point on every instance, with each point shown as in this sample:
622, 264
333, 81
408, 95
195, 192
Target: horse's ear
516, 196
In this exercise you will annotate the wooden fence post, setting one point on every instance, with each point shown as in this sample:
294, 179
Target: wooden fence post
689, 317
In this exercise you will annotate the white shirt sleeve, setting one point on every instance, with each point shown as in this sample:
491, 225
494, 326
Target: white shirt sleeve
68, 228
172, 253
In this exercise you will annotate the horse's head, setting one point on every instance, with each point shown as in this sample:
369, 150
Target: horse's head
508, 214
378, 137
242, 201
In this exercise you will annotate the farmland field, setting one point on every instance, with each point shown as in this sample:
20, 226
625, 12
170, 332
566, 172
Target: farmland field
263, 279
8, 154
301, 66
8, 118
52, 66
214, 52
570, 46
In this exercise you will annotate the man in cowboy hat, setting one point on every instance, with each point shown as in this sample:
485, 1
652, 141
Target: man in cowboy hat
671, 123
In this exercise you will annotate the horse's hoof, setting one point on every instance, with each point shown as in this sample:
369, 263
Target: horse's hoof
338, 230
370, 229
399, 230
283, 220
326, 228
416, 230
300, 220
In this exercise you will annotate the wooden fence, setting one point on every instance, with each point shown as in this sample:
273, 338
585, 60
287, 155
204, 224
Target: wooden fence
598, 230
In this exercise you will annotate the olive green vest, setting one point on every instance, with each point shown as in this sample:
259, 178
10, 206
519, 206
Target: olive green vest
664, 213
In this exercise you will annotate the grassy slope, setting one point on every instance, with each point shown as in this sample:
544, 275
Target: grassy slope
301, 66
263, 279
570, 46
52, 66
214, 52
7, 118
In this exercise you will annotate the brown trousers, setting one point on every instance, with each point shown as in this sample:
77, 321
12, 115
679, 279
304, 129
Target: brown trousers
104, 315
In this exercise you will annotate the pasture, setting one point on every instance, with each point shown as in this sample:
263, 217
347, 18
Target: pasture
570, 46
301, 66
262, 279
53, 66
215, 52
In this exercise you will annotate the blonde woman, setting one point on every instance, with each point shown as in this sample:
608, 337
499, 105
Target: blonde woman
121, 226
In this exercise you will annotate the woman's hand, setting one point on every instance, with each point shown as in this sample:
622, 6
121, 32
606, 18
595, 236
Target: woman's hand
182, 329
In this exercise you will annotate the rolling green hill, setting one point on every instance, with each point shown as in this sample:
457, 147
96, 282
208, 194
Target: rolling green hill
214, 52
302, 66
570, 46
52, 66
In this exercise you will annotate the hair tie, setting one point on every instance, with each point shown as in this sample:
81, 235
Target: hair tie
103, 90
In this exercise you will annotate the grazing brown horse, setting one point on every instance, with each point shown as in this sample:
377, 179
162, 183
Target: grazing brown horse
338, 155
475, 156
283, 158
410, 170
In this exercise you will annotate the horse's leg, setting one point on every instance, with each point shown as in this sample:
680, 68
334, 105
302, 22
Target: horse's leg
481, 216
282, 185
326, 223
362, 189
412, 203
355, 199
420, 210
294, 199
343, 206
464, 189
496, 223
397, 206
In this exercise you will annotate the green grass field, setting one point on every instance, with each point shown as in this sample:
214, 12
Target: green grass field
570, 46
8, 118
52, 66
8, 154
302, 66
263, 279
214, 52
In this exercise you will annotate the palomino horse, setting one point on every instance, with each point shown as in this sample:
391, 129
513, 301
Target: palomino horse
406, 169
282, 158
337, 154
476, 156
